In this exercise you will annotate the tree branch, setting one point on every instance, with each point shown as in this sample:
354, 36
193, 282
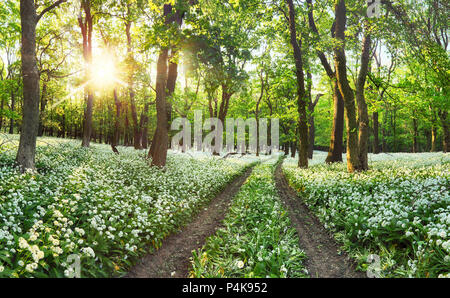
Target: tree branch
47, 9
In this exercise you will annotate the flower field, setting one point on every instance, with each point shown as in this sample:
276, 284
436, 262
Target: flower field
257, 239
399, 210
109, 209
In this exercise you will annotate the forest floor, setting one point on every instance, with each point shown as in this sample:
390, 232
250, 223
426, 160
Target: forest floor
173, 258
324, 259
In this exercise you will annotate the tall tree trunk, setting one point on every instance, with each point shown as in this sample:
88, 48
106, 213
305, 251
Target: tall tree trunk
223, 109
171, 81
30, 77
293, 148
164, 80
312, 129
301, 92
63, 126
337, 131
443, 115
42, 109
286, 148
261, 93
13, 107
144, 126
353, 162
433, 138
376, 142
384, 147
415, 148
86, 32
1, 112
136, 128
336, 146
158, 148
363, 116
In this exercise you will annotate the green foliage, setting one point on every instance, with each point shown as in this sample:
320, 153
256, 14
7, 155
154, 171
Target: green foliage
257, 239
398, 210
109, 209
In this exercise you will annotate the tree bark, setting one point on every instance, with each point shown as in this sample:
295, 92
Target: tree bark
301, 92
86, 31
293, 148
312, 129
363, 116
433, 138
137, 134
144, 126
42, 109
336, 139
158, 148
13, 107
443, 115
337, 131
30, 77
164, 81
115, 138
353, 162
224, 104
1, 112
261, 94
376, 142
415, 148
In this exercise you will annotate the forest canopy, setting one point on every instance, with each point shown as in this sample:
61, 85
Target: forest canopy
119, 72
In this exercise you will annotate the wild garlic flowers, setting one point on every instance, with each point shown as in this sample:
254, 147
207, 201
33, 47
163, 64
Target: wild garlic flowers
399, 209
108, 209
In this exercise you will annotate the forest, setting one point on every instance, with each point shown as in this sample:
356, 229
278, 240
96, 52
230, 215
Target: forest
346, 173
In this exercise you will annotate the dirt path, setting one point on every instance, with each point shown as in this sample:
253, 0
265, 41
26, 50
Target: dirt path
174, 254
323, 259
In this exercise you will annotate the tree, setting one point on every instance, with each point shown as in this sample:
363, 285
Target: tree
336, 140
165, 82
30, 77
86, 26
363, 116
302, 102
353, 161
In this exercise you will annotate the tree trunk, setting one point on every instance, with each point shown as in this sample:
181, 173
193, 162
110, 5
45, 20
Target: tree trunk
164, 81
415, 148
433, 138
383, 132
353, 162
42, 109
293, 148
158, 148
30, 77
115, 138
336, 147
376, 145
363, 116
63, 126
223, 110
171, 81
445, 129
286, 148
87, 127
86, 32
1, 112
144, 126
301, 92
13, 107
312, 129
136, 128
337, 131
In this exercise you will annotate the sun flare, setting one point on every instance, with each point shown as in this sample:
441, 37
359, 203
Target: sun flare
104, 71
